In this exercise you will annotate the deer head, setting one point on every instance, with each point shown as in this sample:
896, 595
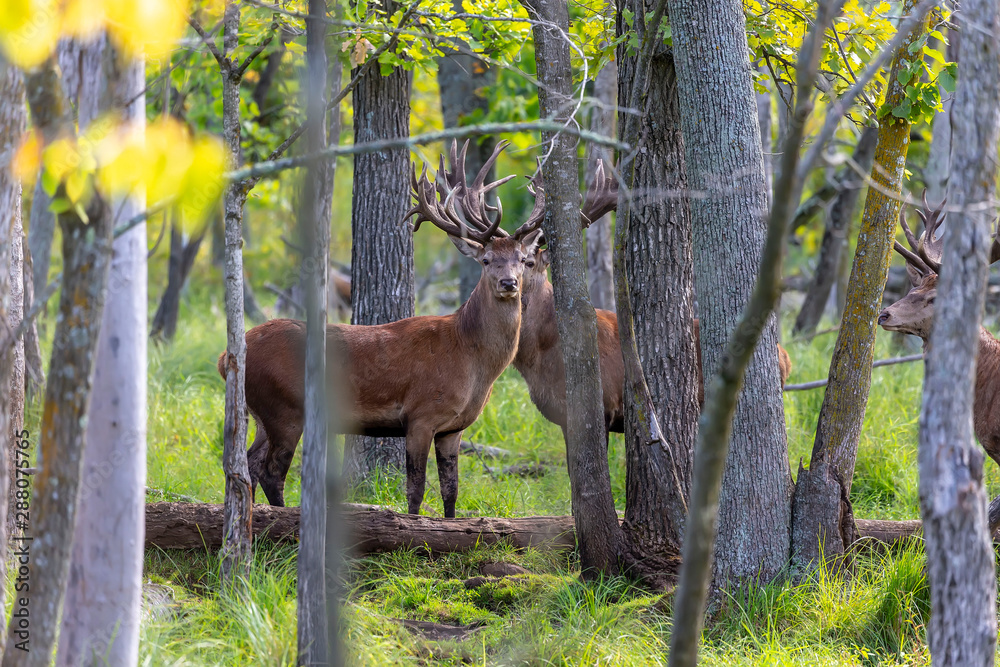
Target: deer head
460, 209
914, 313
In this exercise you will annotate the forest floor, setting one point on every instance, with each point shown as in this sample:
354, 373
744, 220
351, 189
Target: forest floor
874, 617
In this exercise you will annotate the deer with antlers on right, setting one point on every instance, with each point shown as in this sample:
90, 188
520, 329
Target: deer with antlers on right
914, 314
539, 357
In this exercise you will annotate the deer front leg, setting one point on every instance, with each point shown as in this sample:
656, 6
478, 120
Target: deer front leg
418, 446
446, 450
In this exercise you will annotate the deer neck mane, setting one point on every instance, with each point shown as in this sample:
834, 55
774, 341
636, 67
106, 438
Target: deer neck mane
491, 326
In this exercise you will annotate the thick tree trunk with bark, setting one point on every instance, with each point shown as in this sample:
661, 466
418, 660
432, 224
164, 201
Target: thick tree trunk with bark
12, 123
314, 230
724, 160
835, 236
239, 501
597, 529
600, 239
86, 257
842, 415
960, 561
462, 79
104, 593
661, 275
382, 288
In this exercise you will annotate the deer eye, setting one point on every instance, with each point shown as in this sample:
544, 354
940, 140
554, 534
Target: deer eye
930, 301
486, 262
530, 265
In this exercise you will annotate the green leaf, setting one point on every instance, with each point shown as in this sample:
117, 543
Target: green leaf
947, 81
60, 205
902, 110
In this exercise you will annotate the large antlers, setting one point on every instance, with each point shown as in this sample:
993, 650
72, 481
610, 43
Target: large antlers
925, 256
455, 206
601, 198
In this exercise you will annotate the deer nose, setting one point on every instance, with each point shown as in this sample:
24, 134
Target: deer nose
508, 284
883, 317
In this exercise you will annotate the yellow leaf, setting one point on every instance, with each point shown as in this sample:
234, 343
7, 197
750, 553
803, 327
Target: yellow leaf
146, 27
83, 18
76, 186
29, 30
60, 157
28, 158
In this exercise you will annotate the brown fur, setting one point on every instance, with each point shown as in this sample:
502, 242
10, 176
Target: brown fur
913, 314
425, 378
539, 358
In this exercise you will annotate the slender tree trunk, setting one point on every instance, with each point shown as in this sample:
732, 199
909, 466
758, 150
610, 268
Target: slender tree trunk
86, 257
314, 226
835, 236
182, 256
34, 372
382, 287
764, 121
960, 559
724, 160
41, 230
462, 79
660, 271
104, 594
597, 529
236, 551
12, 122
600, 239
842, 415
939, 157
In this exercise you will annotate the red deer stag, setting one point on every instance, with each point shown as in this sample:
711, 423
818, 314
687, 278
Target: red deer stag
914, 313
425, 378
539, 358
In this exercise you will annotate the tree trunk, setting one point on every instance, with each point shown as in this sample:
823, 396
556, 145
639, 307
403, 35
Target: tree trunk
939, 156
34, 371
764, 122
462, 79
182, 256
600, 239
661, 275
599, 537
86, 256
724, 160
960, 561
41, 230
843, 412
239, 501
382, 249
314, 230
104, 593
834, 242
12, 122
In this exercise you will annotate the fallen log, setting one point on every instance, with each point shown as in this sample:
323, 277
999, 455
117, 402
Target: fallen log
372, 529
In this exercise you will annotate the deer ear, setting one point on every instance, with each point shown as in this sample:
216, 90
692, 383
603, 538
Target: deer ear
544, 258
532, 241
915, 276
468, 247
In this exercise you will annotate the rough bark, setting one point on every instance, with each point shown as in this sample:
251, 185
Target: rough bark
12, 123
721, 409
724, 160
41, 230
182, 256
600, 239
86, 256
314, 230
841, 417
462, 79
369, 529
764, 122
382, 287
34, 371
939, 156
239, 500
835, 236
960, 561
661, 274
600, 540
104, 591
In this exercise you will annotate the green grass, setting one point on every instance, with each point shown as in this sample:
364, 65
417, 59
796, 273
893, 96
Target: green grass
874, 617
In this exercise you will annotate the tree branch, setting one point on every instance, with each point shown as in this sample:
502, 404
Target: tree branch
256, 52
206, 39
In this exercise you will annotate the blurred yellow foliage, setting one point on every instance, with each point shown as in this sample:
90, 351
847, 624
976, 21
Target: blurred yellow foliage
29, 29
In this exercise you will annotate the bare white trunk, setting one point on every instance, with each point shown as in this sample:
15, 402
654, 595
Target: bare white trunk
960, 559
100, 622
